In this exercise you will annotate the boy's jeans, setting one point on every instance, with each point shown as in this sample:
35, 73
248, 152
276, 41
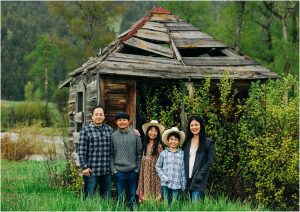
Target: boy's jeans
129, 180
91, 183
169, 194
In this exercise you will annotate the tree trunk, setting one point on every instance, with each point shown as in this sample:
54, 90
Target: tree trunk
287, 64
295, 28
284, 28
269, 38
282, 16
266, 26
239, 24
46, 77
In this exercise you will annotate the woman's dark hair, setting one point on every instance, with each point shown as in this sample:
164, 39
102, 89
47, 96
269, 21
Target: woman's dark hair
189, 134
156, 141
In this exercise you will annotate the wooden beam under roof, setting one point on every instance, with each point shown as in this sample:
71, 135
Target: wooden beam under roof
131, 58
150, 47
218, 61
65, 83
177, 53
184, 72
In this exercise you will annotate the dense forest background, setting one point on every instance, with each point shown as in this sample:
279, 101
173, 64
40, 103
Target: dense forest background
43, 41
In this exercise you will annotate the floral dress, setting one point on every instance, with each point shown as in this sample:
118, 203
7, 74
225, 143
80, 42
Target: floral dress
149, 182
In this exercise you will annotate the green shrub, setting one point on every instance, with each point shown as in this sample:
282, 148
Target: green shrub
29, 113
256, 139
269, 129
72, 177
69, 178
220, 116
163, 104
4, 117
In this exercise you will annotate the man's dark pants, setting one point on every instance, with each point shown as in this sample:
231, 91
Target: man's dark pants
127, 180
91, 183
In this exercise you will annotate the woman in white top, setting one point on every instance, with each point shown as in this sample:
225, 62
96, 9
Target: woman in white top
199, 153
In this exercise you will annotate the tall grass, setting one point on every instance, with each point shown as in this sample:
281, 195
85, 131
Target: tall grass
27, 142
25, 187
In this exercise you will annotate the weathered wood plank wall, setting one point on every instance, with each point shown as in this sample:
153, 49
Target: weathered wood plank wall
91, 92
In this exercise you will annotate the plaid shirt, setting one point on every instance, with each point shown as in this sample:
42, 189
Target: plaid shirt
170, 166
94, 148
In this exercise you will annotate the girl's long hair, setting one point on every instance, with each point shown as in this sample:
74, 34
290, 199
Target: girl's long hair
157, 141
189, 134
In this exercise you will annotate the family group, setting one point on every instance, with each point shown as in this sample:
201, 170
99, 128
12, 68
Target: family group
165, 164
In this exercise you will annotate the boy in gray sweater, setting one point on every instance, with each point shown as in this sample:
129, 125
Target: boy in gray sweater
125, 158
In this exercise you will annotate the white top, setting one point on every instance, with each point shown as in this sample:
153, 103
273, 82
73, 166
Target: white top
192, 160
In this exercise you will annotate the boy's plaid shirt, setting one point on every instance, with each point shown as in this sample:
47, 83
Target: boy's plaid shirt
94, 148
170, 166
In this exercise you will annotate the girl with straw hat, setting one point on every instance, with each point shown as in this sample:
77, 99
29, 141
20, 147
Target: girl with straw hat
149, 182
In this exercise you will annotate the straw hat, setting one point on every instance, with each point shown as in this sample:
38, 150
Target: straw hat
173, 129
153, 123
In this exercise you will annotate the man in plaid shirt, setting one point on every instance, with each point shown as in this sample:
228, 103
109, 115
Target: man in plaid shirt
94, 154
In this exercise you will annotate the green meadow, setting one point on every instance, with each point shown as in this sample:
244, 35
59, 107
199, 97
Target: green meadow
25, 187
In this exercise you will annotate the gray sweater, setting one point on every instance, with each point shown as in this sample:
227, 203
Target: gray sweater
126, 151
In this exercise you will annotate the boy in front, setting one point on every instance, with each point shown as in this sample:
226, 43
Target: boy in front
125, 158
170, 165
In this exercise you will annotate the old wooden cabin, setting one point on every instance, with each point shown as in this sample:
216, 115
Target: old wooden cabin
158, 48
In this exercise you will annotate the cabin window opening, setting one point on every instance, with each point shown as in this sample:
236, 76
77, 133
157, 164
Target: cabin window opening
201, 52
166, 44
136, 51
79, 109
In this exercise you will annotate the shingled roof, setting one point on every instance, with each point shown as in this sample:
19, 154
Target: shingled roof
161, 45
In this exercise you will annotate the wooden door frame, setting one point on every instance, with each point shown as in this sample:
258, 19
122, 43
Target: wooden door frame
130, 97
131, 102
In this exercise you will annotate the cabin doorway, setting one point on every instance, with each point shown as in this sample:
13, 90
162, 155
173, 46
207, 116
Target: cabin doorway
152, 96
118, 95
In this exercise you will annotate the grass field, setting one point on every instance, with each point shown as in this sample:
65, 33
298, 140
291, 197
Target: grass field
24, 187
